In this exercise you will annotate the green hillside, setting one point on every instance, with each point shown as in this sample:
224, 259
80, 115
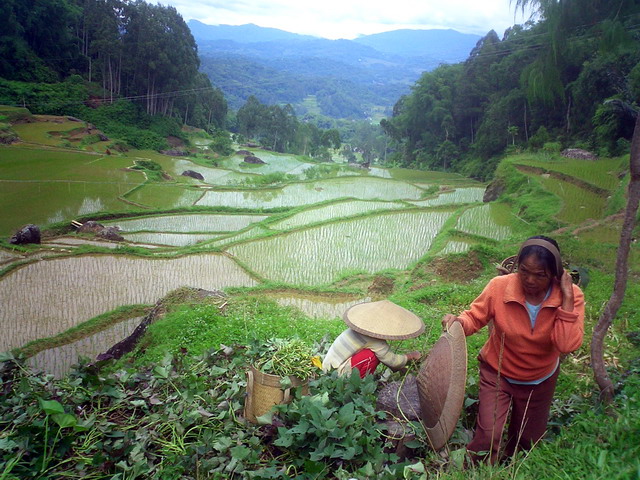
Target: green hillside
173, 406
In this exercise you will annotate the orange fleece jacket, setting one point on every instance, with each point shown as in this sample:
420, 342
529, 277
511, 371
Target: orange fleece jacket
527, 354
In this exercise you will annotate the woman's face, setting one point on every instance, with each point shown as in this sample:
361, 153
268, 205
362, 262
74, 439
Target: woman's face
534, 276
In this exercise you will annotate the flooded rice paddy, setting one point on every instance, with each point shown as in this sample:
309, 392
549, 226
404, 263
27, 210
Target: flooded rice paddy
274, 163
187, 223
455, 246
58, 294
317, 306
58, 360
360, 221
46, 186
320, 254
169, 239
363, 188
489, 220
459, 195
333, 211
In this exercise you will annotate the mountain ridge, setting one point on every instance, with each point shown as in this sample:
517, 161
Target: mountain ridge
367, 74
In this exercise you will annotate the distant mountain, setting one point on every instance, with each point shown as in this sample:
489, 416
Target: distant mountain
447, 45
347, 78
248, 33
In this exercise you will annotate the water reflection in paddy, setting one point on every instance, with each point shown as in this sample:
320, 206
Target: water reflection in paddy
273, 163
459, 195
455, 246
188, 223
169, 239
213, 176
488, 220
317, 306
51, 296
336, 210
319, 254
364, 188
58, 360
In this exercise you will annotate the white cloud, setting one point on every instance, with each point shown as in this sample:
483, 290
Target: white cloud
350, 18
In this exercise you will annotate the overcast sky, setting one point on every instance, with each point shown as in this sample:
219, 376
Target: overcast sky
349, 18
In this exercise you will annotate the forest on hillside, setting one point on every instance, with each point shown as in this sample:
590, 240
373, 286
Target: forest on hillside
59, 55
571, 79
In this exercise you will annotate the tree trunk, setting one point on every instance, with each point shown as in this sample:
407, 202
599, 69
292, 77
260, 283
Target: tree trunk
620, 283
526, 128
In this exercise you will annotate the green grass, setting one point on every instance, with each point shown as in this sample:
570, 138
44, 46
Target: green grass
40, 131
578, 204
243, 320
602, 172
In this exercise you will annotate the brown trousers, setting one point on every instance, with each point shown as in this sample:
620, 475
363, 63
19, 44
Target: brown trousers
529, 406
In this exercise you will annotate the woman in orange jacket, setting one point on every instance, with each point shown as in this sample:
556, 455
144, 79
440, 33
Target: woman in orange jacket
536, 315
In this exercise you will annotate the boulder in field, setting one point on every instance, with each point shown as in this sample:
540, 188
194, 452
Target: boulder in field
244, 152
192, 174
27, 234
99, 230
110, 233
253, 159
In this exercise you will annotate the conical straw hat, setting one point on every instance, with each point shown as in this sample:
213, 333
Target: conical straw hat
441, 382
383, 319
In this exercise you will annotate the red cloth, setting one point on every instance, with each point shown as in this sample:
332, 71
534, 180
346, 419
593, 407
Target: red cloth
529, 405
365, 361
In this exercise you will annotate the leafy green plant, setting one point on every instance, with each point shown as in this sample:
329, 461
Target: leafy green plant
338, 427
286, 358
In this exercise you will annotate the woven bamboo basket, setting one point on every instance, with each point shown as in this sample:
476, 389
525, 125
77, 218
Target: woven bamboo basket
264, 391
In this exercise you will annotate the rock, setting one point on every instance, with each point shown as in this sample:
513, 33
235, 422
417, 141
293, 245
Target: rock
91, 227
103, 137
27, 234
110, 233
192, 174
579, 153
73, 119
493, 190
244, 152
406, 404
253, 159
252, 145
99, 230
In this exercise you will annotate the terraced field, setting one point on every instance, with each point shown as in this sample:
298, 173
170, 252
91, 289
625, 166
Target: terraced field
214, 234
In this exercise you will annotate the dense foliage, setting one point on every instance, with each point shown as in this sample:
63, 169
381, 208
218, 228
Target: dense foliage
571, 76
130, 49
279, 129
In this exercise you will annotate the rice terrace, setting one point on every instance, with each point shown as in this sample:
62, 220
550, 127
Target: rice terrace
163, 254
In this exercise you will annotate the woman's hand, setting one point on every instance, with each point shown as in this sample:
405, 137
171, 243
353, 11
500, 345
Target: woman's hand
449, 320
566, 287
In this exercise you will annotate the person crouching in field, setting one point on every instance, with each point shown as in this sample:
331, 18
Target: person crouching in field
537, 314
364, 346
